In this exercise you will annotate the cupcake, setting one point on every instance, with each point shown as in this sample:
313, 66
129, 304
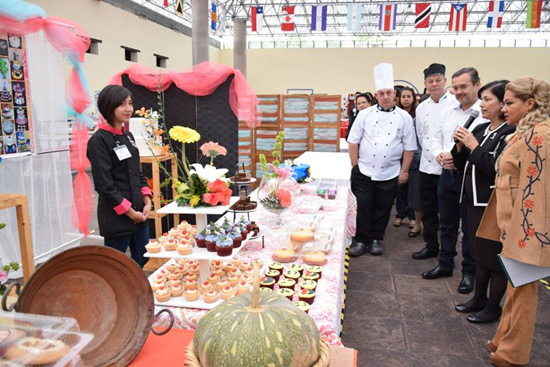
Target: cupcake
184, 224
226, 225
246, 223
249, 271
162, 294
170, 245
311, 276
247, 278
227, 292
244, 231
191, 295
266, 289
174, 232
153, 247
201, 239
190, 284
292, 274
237, 238
165, 237
211, 296
221, 284
172, 267
285, 292
308, 284
304, 306
206, 286
244, 265
306, 295
275, 274
267, 282
224, 246
236, 262
176, 290
229, 267
211, 240
175, 282
287, 283
315, 269
277, 266
297, 267
174, 276
158, 278
243, 287
156, 285
213, 279
216, 264
219, 272
191, 276
233, 279
184, 249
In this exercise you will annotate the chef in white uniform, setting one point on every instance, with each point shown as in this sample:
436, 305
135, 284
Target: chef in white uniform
381, 135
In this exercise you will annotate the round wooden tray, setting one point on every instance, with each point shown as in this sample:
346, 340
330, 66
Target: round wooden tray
105, 291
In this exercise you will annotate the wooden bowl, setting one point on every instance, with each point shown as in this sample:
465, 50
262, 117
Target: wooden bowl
105, 291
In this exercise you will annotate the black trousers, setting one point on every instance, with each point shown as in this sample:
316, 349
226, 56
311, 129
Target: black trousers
430, 209
374, 203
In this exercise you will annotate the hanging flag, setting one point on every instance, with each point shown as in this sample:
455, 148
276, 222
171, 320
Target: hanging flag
495, 14
319, 18
534, 8
178, 7
387, 17
221, 28
287, 19
354, 17
457, 21
257, 18
165, 3
423, 11
214, 22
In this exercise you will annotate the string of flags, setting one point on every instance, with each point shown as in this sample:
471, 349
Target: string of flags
388, 16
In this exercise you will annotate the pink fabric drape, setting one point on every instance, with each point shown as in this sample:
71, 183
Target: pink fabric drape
202, 81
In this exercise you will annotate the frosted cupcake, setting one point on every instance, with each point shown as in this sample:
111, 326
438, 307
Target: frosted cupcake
237, 238
211, 240
224, 246
201, 239
226, 226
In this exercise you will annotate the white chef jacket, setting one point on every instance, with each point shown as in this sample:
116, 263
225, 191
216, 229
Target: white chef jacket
382, 137
428, 117
450, 121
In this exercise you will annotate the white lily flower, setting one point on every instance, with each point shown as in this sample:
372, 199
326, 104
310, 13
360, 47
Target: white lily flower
208, 172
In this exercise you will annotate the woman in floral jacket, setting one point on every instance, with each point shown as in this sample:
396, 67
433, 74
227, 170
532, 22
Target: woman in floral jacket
522, 212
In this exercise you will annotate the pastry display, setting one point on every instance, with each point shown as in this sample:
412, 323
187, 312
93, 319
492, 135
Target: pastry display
307, 295
315, 258
286, 292
37, 351
284, 255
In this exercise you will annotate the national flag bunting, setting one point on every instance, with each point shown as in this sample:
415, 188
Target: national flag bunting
423, 11
457, 21
165, 3
257, 18
388, 14
221, 28
534, 8
319, 18
214, 22
287, 20
354, 17
495, 14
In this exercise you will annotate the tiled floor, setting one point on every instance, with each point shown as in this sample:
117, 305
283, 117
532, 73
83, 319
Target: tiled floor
394, 317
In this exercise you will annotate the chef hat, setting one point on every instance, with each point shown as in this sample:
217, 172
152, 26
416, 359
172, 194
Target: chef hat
383, 76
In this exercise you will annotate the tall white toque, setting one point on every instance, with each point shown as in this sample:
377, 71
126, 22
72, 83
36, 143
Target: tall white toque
383, 76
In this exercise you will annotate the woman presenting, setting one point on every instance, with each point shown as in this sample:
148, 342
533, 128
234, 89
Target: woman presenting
520, 208
124, 199
474, 156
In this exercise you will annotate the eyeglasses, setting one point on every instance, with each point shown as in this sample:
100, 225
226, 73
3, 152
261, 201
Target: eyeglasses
362, 103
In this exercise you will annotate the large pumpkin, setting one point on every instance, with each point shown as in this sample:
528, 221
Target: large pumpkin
257, 330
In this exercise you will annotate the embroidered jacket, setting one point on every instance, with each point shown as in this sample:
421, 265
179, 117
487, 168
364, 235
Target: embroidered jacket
119, 184
521, 201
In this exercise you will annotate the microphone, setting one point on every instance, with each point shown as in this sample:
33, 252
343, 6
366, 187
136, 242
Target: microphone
473, 115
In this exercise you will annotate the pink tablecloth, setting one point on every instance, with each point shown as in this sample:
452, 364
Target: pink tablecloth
327, 308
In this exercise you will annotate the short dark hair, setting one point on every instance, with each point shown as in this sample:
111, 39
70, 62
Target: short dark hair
497, 87
110, 98
369, 97
474, 75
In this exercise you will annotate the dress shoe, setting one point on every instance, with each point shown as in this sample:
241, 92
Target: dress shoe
437, 273
397, 222
424, 254
472, 306
492, 348
376, 248
359, 249
475, 318
412, 233
467, 284
499, 362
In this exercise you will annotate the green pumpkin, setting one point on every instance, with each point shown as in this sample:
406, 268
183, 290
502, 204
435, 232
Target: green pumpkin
257, 330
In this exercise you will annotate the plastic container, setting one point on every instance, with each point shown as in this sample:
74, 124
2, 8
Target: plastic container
30, 340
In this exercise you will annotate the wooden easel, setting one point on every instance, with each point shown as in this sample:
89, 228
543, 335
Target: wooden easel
21, 204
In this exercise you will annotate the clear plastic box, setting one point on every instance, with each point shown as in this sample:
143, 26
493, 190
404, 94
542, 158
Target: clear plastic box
328, 188
31, 340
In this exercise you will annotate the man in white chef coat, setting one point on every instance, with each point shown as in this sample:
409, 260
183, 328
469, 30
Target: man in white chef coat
381, 135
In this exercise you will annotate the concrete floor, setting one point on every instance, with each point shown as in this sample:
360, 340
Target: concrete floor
393, 317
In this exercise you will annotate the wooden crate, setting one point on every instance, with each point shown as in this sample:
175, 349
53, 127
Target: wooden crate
296, 123
325, 132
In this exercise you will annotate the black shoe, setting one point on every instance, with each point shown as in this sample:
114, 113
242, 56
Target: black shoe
424, 254
376, 248
467, 284
359, 249
437, 273
472, 306
477, 318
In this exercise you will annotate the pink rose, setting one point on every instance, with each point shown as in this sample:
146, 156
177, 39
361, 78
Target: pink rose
284, 196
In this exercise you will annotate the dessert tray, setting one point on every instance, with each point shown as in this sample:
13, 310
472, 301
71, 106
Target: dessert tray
250, 181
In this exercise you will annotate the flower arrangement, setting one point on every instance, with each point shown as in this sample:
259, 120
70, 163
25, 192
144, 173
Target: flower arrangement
199, 185
295, 163
150, 122
278, 186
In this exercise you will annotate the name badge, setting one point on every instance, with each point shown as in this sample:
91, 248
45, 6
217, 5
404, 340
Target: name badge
122, 152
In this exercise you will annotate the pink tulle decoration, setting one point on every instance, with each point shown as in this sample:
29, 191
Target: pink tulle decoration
79, 143
205, 78
14, 26
67, 37
82, 202
78, 97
